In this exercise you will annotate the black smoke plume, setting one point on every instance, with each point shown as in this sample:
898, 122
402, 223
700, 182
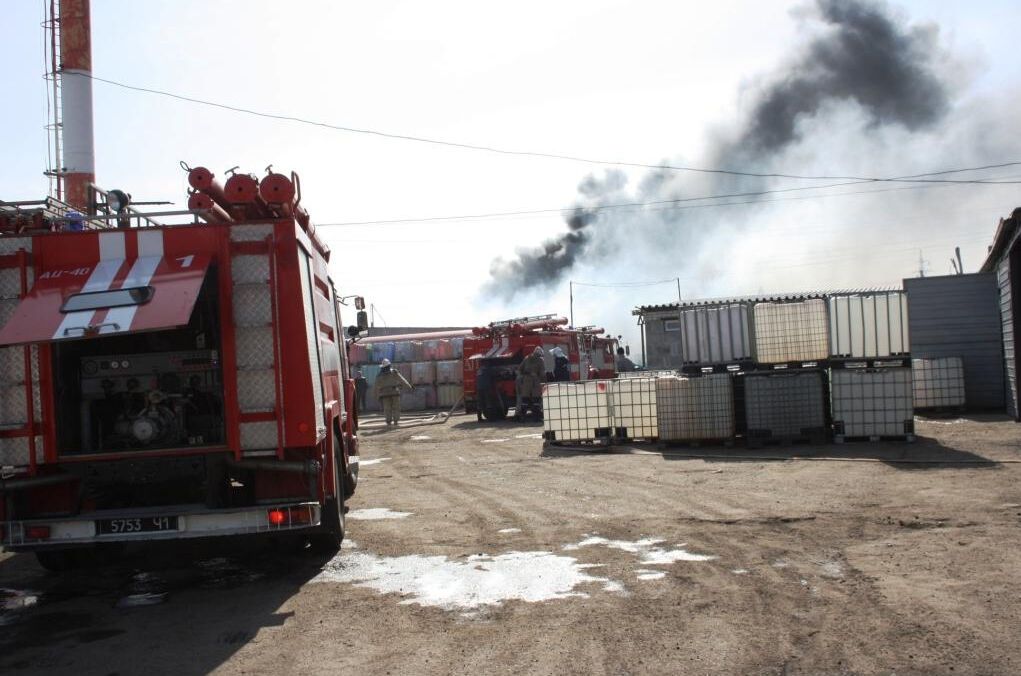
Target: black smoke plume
863, 56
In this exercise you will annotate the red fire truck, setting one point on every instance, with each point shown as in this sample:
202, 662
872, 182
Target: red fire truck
492, 354
162, 382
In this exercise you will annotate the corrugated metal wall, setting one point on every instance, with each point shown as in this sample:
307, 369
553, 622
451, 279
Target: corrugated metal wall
959, 316
1007, 318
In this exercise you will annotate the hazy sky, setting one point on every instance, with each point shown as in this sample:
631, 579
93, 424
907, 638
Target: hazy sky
642, 82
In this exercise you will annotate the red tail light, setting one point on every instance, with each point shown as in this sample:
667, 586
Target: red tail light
289, 516
37, 533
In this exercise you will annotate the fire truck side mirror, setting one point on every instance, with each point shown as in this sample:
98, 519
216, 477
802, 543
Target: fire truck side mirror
363, 320
359, 303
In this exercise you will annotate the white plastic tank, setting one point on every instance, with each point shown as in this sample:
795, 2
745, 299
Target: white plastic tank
872, 402
577, 411
633, 402
693, 409
716, 335
415, 400
869, 326
784, 405
791, 332
646, 374
938, 382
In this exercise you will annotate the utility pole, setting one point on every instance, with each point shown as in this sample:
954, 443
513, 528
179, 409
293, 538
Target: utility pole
570, 287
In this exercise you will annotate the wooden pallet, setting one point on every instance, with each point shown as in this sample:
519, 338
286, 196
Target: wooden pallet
695, 443
841, 438
808, 437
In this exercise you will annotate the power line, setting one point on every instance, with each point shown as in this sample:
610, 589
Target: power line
528, 153
681, 203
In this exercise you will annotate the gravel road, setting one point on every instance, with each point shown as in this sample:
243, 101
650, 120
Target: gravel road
472, 550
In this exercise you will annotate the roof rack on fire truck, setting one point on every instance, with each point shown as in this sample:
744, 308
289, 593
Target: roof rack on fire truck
523, 320
50, 214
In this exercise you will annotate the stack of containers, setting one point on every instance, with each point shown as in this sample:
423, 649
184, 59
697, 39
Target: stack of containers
449, 378
791, 332
431, 366
938, 382
370, 371
633, 403
577, 411
872, 403
695, 409
785, 406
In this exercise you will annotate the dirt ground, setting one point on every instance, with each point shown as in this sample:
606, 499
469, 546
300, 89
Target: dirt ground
471, 550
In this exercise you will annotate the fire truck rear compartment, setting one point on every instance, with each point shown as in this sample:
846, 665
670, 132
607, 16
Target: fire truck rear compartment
142, 391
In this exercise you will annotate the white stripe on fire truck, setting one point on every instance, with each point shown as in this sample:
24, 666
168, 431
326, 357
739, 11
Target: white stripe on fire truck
111, 258
150, 253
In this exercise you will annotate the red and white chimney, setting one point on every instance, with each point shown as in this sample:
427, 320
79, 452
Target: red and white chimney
79, 156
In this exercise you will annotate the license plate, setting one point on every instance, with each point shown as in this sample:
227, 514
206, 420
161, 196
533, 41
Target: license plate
146, 524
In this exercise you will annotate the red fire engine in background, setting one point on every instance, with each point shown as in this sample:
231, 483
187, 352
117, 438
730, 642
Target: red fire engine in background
164, 382
493, 353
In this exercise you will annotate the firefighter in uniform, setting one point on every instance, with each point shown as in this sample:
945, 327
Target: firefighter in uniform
531, 376
388, 390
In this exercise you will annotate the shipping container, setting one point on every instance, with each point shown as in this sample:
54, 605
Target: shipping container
938, 382
869, 326
633, 403
791, 332
694, 409
871, 403
716, 335
578, 411
785, 405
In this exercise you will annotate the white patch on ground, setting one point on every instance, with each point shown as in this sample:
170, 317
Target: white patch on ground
493, 441
780, 563
528, 436
374, 461
650, 574
472, 583
376, 514
420, 437
832, 569
509, 530
955, 421
740, 571
647, 550
16, 599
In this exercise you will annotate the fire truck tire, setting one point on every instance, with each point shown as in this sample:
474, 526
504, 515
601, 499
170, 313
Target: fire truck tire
327, 539
495, 413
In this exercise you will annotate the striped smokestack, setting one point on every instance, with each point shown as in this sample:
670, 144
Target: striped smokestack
79, 158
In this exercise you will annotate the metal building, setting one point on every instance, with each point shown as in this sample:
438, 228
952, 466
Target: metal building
1004, 261
959, 316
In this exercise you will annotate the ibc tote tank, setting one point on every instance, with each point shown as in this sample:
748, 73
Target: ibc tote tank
695, 409
872, 402
785, 405
791, 332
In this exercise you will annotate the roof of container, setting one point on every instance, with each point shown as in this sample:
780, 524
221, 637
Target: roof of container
765, 298
1005, 232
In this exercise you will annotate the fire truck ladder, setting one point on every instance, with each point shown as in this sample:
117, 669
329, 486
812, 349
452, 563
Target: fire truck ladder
20, 410
256, 341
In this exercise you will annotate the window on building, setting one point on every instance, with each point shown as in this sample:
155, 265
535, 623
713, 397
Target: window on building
672, 325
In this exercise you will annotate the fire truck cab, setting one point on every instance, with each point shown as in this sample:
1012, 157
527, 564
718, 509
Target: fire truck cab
163, 382
493, 353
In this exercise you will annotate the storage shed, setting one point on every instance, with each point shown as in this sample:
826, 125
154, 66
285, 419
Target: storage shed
959, 316
1004, 261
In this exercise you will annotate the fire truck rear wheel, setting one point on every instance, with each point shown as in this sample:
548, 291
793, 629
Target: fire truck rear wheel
59, 561
327, 539
495, 413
